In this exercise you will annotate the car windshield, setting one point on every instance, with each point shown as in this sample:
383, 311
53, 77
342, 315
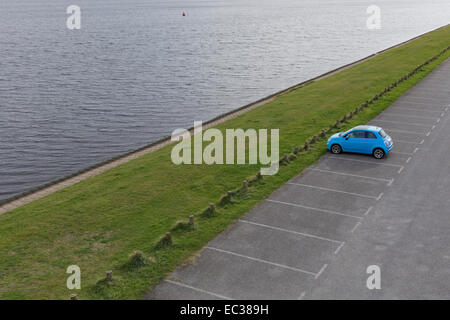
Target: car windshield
383, 134
344, 133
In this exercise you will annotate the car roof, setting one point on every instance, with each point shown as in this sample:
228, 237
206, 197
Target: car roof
367, 128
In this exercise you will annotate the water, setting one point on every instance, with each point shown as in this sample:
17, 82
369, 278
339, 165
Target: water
138, 69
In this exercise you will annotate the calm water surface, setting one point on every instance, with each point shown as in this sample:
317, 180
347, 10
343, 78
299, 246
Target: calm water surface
138, 69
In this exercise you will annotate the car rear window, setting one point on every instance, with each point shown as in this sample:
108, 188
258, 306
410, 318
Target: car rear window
383, 134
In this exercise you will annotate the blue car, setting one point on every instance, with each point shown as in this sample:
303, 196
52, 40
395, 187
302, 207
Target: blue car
361, 139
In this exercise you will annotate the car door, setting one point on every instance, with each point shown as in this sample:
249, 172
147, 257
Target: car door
371, 141
355, 142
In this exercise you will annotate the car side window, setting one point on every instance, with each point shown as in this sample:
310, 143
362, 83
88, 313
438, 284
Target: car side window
370, 135
357, 134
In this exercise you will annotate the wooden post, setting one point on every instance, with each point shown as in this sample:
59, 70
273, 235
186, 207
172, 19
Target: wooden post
191, 220
230, 195
212, 208
109, 275
245, 185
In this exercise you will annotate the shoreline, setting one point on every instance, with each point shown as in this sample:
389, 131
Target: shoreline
36, 193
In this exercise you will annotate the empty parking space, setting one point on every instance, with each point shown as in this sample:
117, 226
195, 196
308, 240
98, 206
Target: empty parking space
417, 105
395, 158
254, 240
424, 119
389, 125
404, 147
415, 111
348, 183
406, 136
425, 101
359, 167
350, 204
177, 290
238, 277
303, 219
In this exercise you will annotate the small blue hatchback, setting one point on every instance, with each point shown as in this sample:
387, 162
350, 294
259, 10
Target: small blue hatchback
361, 139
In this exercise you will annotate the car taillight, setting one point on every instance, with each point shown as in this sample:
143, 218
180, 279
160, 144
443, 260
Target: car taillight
386, 143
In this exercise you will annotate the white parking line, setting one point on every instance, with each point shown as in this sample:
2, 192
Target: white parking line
263, 261
428, 134
415, 150
356, 226
380, 196
442, 114
350, 175
438, 120
368, 210
404, 153
315, 209
365, 161
332, 190
403, 141
290, 231
400, 170
302, 295
398, 122
321, 270
197, 289
409, 116
425, 98
408, 160
414, 109
339, 248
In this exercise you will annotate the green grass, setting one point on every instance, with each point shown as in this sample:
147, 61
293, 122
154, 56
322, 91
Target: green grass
99, 223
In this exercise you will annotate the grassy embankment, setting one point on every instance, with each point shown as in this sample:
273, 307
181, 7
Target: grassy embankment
98, 223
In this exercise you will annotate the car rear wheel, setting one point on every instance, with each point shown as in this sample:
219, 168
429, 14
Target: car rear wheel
336, 149
378, 153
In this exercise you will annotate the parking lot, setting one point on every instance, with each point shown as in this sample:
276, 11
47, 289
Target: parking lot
315, 236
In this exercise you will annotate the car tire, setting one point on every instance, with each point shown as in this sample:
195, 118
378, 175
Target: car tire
378, 153
336, 149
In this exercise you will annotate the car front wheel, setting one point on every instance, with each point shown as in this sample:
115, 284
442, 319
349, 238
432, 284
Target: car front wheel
336, 149
378, 153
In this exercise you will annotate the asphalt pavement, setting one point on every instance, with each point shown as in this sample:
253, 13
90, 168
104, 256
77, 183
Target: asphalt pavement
315, 237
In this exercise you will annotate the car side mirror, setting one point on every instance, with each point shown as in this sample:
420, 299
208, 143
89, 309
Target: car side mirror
346, 137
